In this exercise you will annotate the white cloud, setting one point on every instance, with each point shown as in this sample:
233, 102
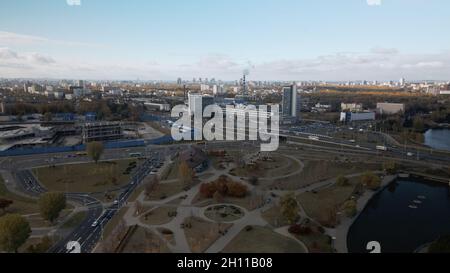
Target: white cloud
73, 2
376, 64
374, 2
13, 39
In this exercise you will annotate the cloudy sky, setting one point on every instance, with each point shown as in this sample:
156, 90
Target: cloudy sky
274, 39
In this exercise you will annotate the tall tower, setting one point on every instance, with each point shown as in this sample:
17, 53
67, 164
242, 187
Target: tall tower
289, 103
244, 86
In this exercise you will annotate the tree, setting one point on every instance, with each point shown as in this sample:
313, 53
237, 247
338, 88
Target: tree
186, 174
236, 189
5, 203
41, 247
418, 124
51, 204
14, 231
290, 208
253, 180
371, 181
95, 150
342, 181
48, 117
350, 208
390, 167
218, 197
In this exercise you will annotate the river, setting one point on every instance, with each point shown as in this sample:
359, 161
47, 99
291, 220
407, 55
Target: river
438, 139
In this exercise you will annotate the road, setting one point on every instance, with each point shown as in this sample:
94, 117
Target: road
89, 232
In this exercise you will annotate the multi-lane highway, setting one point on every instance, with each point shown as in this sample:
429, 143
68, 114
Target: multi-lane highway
89, 232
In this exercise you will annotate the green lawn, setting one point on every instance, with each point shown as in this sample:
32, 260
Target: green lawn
86, 177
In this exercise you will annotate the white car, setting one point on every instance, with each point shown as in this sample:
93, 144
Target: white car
95, 223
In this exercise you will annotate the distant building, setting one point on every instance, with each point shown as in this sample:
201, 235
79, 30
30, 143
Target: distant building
115, 92
321, 108
102, 131
390, 108
163, 107
351, 107
289, 103
204, 87
81, 92
179, 81
445, 92
361, 116
59, 94
218, 90
198, 101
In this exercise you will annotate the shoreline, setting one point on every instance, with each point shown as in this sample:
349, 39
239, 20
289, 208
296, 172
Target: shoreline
343, 229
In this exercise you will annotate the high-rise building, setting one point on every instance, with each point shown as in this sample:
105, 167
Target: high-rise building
198, 102
289, 104
80, 83
179, 81
402, 82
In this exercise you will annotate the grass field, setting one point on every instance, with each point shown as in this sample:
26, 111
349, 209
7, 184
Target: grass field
316, 171
262, 240
201, 234
145, 241
21, 205
274, 217
164, 190
158, 216
319, 205
86, 177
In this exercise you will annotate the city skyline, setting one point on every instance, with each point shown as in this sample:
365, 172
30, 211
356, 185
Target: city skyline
164, 40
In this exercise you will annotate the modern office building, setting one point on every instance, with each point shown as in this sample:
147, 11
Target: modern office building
289, 103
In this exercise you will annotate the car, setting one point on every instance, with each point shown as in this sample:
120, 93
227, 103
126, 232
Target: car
95, 224
116, 202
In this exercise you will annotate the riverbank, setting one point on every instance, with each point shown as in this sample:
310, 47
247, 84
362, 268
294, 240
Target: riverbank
341, 231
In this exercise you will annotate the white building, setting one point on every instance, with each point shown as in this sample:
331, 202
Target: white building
352, 107
163, 107
204, 87
390, 108
361, 116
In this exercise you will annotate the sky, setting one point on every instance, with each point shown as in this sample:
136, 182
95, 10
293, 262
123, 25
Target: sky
331, 40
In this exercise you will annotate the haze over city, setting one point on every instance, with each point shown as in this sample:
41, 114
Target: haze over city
275, 40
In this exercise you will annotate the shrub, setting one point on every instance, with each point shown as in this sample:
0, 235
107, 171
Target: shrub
300, 230
342, 181
224, 187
